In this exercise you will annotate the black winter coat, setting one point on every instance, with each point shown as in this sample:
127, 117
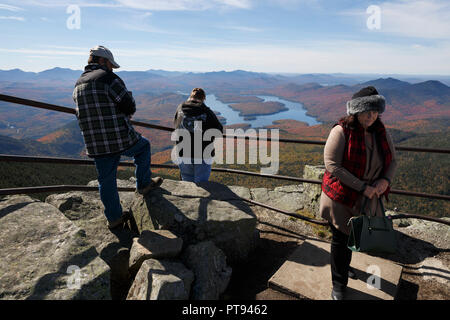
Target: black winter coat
196, 108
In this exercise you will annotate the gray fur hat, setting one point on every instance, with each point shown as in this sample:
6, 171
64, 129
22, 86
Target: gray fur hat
366, 99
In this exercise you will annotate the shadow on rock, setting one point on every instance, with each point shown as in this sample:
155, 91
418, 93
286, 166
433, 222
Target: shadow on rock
407, 290
97, 288
411, 250
286, 232
116, 255
251, 278
200, 212
12, 208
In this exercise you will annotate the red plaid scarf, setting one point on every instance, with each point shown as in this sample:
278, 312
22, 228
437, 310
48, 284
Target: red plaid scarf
355, 162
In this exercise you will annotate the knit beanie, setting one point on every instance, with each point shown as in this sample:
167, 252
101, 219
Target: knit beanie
366, 99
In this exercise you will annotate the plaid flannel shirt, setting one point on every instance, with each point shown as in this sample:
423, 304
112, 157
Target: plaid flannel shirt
104, 106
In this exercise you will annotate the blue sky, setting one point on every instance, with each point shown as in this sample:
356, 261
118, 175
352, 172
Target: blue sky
299, 36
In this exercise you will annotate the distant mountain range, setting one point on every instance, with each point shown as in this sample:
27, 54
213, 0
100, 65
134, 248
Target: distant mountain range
417, 114
405, 101
158, 92
239, 76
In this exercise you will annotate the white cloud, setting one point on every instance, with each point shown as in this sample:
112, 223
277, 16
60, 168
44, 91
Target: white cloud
79, 49
307, 57
12, 18
241, 28
44, 52
9, 8
417, 18
287, 4
156, 5
52, 57
242, 4
66, 3
143, 27
179, 5
312, 57
424, 19
99, 5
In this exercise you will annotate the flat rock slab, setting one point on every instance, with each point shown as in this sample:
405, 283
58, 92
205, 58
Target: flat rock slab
289, 198
306, 275
44, 255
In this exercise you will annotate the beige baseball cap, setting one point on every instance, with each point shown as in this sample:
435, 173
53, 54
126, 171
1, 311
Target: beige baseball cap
101, 51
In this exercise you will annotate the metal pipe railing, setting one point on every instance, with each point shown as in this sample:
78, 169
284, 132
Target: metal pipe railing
48, 106
51, 189
64, 188
44, 189
13, 158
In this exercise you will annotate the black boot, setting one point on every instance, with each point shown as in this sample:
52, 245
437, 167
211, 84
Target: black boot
338, 294
351, 273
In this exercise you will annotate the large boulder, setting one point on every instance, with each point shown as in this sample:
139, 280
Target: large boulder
207, 211
209, 221
399, 223
212, 274
85, 210
44, 255
157, 244
289, 198
161, 280
436, 233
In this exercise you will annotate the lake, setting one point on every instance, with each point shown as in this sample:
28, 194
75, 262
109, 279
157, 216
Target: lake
295, 112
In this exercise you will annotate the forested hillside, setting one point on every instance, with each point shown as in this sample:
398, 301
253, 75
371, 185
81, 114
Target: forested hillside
416, 115
417, 171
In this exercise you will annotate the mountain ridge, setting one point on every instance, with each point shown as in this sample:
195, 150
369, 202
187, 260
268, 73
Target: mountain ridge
324, 78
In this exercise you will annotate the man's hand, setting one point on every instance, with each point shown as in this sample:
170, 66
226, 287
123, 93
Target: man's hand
381, 186
370, 192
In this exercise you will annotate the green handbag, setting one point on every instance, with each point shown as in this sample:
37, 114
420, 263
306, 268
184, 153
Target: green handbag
372, 234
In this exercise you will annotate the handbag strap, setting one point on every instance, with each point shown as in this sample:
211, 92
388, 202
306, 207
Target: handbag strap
361, 211
382, 207
363, 205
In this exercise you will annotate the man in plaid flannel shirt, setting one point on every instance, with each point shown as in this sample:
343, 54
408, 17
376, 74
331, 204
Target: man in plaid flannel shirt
104, 110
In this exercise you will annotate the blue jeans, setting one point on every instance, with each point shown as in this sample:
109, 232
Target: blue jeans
107, 172
195, 172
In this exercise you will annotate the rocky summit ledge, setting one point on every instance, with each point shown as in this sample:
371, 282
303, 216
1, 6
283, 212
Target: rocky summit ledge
207, 211
62, 249
46, 256
185, 241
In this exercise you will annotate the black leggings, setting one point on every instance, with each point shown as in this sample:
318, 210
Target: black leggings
341, 256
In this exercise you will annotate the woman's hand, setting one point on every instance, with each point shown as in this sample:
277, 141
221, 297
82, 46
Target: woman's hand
370, 192
381, 186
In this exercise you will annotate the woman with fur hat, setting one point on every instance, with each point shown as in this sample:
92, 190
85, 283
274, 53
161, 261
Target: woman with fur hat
360, 163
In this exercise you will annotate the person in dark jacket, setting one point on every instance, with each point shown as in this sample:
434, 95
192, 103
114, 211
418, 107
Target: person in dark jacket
104, 110
194, 116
